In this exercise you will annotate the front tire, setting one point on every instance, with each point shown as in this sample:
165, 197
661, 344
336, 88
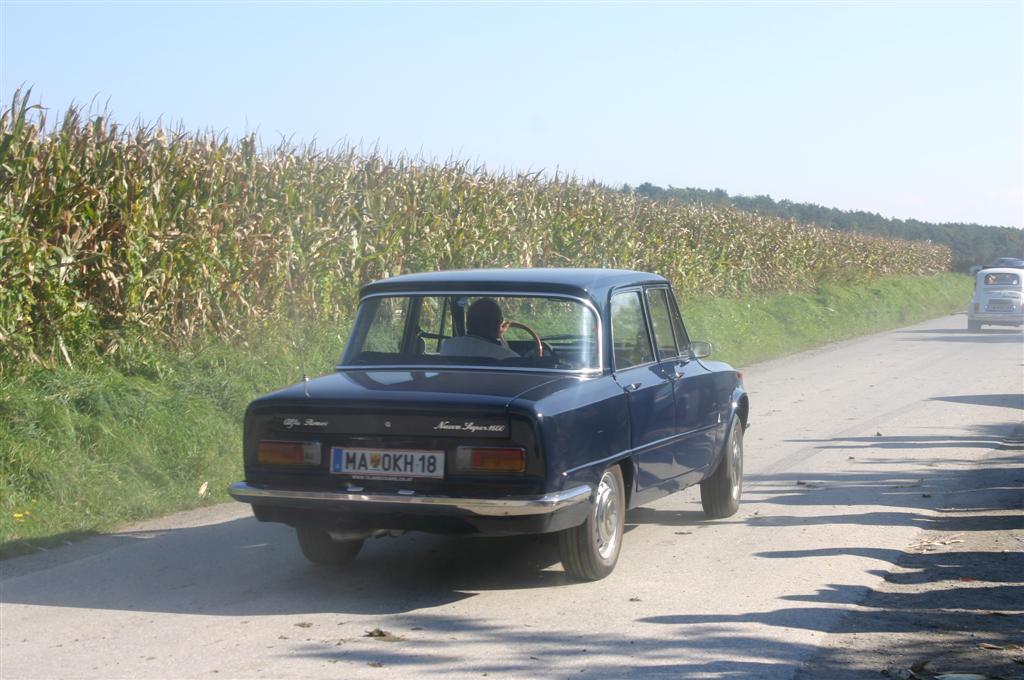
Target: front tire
319, 548
589, 552
720, 493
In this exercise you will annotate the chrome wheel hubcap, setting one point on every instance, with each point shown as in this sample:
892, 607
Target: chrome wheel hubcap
606, 516
736, 462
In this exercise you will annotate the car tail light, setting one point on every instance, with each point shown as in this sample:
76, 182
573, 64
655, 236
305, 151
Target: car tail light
288, 453
977, 306
490, 459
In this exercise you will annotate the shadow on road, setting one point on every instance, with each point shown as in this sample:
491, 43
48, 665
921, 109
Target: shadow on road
241, 568
1002, 400
244, 568
988, 336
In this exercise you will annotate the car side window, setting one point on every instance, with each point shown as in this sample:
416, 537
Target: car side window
388, 324
431, 323
682, 339
661, 321
631, 344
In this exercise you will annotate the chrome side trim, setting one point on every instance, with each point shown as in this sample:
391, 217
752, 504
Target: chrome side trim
644, 448
513, 506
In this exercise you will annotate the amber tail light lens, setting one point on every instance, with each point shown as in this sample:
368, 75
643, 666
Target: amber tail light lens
288, 453
490, 459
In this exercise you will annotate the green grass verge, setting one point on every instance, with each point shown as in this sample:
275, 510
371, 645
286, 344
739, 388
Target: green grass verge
749, 330
148, 432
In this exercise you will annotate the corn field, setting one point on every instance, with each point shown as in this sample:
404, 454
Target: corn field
108, 229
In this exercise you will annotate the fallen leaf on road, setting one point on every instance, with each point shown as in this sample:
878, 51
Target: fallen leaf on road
304, 624
634, 599
683, 533
989, 645
375, 664
383, 635
929, 544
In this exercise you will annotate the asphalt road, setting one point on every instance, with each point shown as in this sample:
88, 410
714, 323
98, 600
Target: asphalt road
855, 452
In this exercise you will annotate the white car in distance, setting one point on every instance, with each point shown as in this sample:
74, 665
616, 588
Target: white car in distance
998, 298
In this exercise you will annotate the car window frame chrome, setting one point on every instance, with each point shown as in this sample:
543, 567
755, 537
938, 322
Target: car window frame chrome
587, 303
681, 349
631, 288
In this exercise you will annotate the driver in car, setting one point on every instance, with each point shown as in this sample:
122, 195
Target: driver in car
485, 327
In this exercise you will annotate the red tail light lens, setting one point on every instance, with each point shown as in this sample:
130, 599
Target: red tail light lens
288, 453
490, 459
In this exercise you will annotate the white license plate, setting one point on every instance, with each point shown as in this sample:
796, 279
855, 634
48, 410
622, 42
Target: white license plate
389, 463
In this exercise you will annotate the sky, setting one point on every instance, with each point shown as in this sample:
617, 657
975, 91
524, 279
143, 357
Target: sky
904, 109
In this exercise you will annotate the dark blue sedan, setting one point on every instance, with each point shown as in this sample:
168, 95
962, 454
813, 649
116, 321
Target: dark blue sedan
500, 402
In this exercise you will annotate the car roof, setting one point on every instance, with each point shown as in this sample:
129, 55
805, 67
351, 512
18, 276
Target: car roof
592, 283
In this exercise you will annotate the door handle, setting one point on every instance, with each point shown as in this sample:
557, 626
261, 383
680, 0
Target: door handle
633, 387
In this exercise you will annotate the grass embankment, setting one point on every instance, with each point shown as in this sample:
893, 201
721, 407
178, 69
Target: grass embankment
744, 331
105, 443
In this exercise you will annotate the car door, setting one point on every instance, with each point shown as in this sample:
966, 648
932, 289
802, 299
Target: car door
649, 391
698, 411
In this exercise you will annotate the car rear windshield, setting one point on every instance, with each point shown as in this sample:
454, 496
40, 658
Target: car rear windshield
1002, 279
510, 331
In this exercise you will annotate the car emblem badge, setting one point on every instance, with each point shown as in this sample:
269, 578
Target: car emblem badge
468, 427
289, 423
375, 460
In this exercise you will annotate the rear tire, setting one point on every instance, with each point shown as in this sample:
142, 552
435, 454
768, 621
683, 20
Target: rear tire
319, 548
589, 552
720, 493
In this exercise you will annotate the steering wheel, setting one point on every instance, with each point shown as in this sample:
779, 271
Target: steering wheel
538, 346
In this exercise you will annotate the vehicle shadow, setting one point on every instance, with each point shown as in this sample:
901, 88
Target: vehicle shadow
243, 567
987, 336
942, 331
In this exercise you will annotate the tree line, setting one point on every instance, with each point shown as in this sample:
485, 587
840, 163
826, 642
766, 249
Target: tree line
970, 244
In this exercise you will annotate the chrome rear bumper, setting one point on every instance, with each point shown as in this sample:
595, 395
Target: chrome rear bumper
514, 506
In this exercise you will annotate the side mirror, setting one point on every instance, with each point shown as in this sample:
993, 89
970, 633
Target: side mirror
700, 349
